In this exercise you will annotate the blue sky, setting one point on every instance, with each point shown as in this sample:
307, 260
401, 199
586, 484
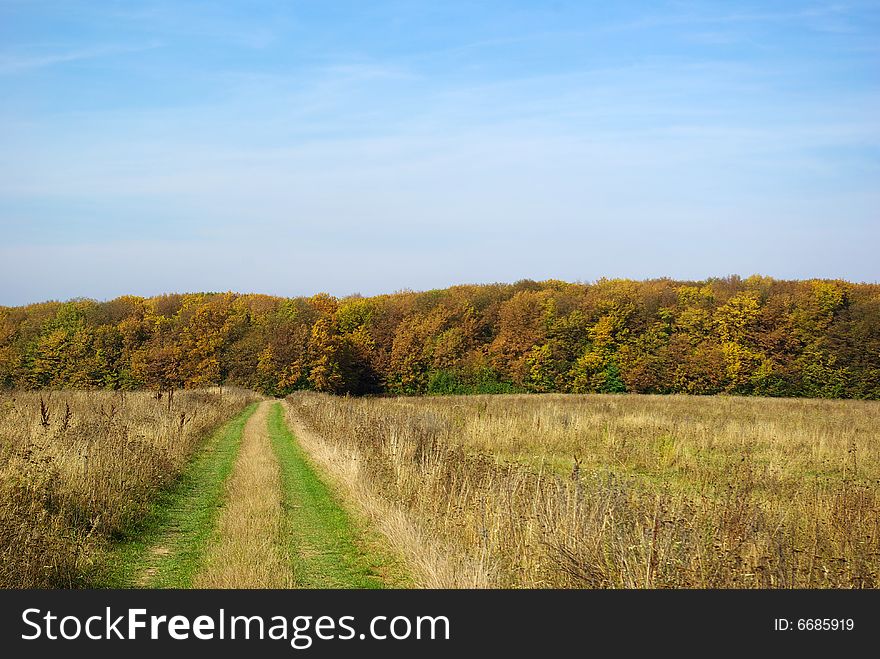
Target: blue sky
295, 147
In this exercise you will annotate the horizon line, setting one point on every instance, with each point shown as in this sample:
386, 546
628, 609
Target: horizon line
356, 295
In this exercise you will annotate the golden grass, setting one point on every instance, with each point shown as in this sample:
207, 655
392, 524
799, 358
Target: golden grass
78, 468
615, 491
248, 550
431, 564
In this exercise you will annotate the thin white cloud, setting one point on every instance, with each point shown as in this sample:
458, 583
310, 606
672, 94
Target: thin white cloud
14, 63
201, 20
831, 17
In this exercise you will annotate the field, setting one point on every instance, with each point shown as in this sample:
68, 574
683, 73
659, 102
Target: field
519, 491
614, 491
78, 469
206, 489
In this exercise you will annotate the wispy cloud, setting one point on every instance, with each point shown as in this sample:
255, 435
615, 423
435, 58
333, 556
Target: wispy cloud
365, 70
14, 63
831, 17
203, 20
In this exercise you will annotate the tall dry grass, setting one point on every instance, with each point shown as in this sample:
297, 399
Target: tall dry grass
431, 563
79, 468
621, 491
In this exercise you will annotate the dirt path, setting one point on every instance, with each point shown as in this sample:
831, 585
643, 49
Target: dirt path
248, 551
326, 547
251, 511
167, 551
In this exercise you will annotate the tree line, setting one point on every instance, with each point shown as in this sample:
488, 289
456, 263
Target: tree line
754, 336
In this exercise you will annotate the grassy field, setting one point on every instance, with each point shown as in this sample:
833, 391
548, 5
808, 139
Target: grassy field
110, 490
521, 491
612, 491
81, 470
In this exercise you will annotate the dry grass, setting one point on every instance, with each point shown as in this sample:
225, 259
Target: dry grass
432, 564
78, 468
616, 491
247, 552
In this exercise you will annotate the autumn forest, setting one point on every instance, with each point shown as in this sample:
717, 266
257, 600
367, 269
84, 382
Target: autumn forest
754, 336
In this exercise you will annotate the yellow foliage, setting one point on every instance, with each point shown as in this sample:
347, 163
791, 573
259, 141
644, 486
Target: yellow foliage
735, 317
741, 363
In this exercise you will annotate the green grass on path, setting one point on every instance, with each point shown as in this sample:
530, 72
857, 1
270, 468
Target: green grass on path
166, 550
323, 549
